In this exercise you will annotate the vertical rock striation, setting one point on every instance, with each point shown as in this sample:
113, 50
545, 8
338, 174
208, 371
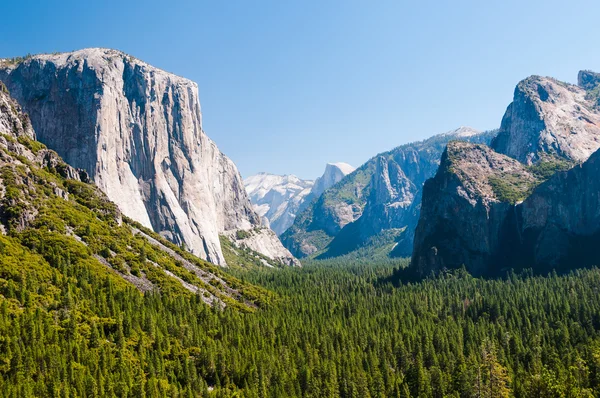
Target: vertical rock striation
549, 117
137, 130
466, 210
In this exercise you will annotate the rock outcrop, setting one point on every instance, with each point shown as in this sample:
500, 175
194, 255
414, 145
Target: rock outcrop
377, 205
19, 152
334, 172
13, 122
588, 80
137, 131
468, 219
559, 223
467, 209
549, 117
50, 212
489, 209
278, 199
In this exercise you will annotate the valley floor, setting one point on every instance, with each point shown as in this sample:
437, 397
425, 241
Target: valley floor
331, 329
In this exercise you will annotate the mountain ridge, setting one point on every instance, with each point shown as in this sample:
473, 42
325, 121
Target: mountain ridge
318, 230
278, 199
52, 209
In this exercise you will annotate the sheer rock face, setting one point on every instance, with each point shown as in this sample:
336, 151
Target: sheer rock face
137, 130
17, 140
380, 197
550, 117
463, 218
463, 222
497, 213
560, 220
15, 124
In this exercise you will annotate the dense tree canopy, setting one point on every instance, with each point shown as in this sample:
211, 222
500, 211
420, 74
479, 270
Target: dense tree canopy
67, 329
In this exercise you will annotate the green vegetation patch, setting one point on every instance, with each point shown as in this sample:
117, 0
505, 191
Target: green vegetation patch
516, 187
243, 257
546, 168
511, 187
32, 145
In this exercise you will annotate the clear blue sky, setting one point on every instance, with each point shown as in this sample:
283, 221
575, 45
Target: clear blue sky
287, 86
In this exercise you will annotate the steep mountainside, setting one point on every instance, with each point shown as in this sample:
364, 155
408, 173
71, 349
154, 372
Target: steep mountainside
278, 199
465, 208
48, 209
377, 205
559, 223
549, 117
137, 131
492, 218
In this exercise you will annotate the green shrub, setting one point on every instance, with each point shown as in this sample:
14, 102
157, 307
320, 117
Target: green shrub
510, 188
33, 146
240, 234
546, 168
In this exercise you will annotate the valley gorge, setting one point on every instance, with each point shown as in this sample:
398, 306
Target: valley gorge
142, 264
376, 206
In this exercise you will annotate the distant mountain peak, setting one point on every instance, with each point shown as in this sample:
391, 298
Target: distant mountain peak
279, 198
334, 172
344, 167
462, 132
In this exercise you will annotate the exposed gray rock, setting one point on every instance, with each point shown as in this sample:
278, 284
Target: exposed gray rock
559, 222
486, 211
334, 172
588, 80
13, 122
550, 117
137, 131
278, 199
18, 151
380, 197
464, 211
464, 222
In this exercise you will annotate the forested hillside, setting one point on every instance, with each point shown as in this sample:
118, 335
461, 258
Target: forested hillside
336, 330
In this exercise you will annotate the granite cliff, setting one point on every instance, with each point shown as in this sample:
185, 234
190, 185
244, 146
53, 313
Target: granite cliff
49, 211
137, 131
528, 201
